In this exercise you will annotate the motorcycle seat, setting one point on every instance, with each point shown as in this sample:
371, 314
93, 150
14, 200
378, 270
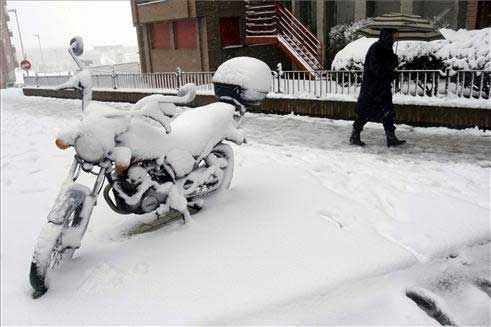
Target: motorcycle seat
195, 132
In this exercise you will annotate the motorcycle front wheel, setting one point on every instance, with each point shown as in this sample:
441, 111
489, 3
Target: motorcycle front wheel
57, 240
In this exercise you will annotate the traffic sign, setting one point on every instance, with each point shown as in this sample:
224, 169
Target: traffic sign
25, 64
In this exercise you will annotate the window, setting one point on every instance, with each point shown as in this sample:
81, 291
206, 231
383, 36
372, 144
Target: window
160, 35
229, 31
185, 34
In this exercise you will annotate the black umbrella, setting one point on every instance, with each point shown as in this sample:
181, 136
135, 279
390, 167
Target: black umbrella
410, 27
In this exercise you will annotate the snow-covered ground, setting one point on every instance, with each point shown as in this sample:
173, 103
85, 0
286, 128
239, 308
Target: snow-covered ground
312, 231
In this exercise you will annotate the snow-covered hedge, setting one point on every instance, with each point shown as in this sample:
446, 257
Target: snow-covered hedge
461, 49
342, 34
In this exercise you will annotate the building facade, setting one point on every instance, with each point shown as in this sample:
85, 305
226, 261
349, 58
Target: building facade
8, 61
194, 35
322, 14
198, 35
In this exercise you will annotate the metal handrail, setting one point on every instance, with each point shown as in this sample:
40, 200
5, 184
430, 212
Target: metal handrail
288, 23
297, 36
298, 23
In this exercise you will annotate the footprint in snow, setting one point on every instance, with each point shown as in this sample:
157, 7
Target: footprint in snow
107, 276
102, 278
334, 219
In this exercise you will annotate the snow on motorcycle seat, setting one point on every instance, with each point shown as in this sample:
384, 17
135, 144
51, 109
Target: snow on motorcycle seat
196, 131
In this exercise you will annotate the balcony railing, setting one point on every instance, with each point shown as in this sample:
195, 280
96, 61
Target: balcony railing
417, 83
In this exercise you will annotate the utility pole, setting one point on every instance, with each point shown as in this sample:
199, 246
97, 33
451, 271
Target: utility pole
40, 49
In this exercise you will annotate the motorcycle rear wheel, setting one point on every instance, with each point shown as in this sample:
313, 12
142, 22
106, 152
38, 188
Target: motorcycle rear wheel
209, 188
226, 152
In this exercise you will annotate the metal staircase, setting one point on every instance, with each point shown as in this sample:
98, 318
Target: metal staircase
269, 22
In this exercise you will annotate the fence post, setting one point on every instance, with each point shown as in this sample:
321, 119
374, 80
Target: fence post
179, 77
279, 74
36, 79
113, 77
447, 77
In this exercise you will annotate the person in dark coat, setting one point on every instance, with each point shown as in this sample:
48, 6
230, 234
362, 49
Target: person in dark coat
375, 100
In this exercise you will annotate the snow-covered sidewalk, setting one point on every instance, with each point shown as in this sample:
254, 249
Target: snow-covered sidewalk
310, 223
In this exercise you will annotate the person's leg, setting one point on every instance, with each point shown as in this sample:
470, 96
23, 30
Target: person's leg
357, 128
388, 119
389, 127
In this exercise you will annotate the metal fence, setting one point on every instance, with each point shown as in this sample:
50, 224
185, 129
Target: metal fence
463, 83
318, 84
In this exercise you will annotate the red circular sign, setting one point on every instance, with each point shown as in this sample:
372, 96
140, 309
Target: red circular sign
24, 64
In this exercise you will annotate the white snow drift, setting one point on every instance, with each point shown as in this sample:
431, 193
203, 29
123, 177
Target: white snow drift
311, 232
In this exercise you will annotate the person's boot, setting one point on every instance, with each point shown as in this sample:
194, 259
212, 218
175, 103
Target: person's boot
355, 138
392, 140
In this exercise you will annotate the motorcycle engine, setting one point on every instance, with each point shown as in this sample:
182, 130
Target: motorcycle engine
128, 182
151, 200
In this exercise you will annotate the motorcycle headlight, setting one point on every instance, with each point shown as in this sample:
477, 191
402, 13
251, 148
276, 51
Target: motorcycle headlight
88, 149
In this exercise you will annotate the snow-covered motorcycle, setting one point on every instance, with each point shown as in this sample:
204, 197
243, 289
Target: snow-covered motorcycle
157, 157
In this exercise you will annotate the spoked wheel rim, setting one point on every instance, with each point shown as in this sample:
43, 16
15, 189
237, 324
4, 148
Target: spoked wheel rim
59, 251
38, 269
221, 151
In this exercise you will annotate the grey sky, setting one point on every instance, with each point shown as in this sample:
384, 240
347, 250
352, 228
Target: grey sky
98, 22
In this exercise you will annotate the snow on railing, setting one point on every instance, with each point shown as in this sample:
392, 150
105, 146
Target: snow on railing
301, 84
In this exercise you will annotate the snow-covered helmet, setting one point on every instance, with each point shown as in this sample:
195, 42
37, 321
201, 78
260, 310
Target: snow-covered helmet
244, 79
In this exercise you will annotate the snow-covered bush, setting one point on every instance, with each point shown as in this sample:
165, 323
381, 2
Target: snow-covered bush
461, 50
342, 34
439, 23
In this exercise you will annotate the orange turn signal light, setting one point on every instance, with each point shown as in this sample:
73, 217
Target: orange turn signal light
121, 167
59, 143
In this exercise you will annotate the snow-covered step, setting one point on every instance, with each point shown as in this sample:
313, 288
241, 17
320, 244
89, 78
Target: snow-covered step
255, 19
260, 13
259, 7
262, 16
269, 32
260, 25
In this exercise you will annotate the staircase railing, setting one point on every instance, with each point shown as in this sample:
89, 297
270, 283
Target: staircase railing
297, 34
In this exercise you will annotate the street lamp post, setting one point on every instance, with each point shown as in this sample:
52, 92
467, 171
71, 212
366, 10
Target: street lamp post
20, 34
40, 49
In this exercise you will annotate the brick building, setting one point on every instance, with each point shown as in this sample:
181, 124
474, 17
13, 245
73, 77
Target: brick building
194, 35
8, 60
198, 35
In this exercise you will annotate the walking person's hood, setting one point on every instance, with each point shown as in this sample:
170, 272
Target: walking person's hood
385, 37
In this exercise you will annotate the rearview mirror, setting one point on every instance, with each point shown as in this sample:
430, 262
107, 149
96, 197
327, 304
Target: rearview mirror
77, 45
